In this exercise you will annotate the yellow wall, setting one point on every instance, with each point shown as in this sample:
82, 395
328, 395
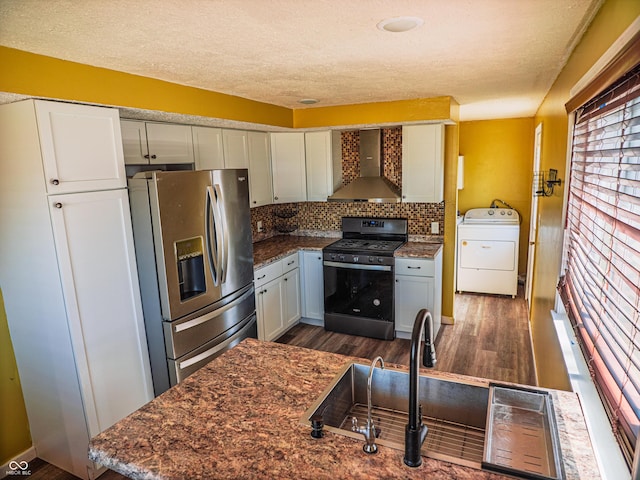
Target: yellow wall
403, 111
498, 162
14, 434
40, 76
612, 19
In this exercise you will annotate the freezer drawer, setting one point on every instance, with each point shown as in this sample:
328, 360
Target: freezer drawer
183, 367
184, 335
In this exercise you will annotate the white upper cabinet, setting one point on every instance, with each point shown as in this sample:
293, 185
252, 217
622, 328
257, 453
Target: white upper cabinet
423, 163
81, 147
236, 148
288, 166
147, 143
260, 185
207, 148
319, 164
169, 143
134, 142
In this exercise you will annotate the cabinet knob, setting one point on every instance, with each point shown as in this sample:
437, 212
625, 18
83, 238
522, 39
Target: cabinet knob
255, 201
275, 198
153, 156
146, 156
55, 181
57, 205
285, 279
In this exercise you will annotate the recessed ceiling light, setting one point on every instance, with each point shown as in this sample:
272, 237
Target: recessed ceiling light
308, 101
400, 24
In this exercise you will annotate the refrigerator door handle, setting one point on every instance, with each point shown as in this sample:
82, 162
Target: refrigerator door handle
225, 235
213, 245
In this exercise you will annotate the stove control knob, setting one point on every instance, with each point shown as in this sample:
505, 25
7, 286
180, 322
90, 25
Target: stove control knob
355, 259
333, 256
380, 260
372, 259
341, 258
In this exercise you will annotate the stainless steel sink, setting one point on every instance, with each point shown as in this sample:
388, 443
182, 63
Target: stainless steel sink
454, 412
498, 427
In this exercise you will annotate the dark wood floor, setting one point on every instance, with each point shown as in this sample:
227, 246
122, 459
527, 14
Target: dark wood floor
490, 339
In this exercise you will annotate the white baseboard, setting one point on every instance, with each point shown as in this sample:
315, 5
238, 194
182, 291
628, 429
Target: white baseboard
21, 460
312, 321
447, 320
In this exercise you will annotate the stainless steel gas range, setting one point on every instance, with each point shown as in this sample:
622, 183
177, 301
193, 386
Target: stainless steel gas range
358, 277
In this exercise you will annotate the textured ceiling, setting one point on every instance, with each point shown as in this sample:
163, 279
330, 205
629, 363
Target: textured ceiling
497, 58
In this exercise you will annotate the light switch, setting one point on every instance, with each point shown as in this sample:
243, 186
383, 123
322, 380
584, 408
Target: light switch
435, 228
259, 225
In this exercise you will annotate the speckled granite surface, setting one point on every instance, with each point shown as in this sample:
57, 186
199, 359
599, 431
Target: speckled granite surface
275, 248
238, 417
418, 250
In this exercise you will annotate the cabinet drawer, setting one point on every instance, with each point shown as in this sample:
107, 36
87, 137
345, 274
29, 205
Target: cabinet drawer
290, 262
267, 273
419, 267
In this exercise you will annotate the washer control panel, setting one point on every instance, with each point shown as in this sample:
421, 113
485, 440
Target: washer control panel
492, 215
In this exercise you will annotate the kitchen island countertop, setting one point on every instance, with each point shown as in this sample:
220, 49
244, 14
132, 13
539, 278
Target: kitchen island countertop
239, 417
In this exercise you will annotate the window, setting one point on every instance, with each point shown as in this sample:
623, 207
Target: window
601, 285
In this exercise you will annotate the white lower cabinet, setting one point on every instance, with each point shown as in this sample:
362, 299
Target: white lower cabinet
418, 285
291, 298
312, 285
278, 304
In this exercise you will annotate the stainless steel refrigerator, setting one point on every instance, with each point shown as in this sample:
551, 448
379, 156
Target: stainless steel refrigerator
192, 234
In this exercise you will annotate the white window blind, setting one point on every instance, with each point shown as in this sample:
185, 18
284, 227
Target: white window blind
601, 285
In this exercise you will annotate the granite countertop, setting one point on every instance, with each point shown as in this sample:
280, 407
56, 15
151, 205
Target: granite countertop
418, 250
239, 417
275, 248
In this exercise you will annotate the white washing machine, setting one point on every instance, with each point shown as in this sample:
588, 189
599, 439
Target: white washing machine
488, 241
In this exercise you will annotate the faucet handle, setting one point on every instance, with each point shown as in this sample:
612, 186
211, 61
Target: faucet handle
354, 425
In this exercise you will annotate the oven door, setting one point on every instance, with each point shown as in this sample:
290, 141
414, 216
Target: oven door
358, 299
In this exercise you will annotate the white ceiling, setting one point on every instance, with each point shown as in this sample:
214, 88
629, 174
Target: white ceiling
497, 58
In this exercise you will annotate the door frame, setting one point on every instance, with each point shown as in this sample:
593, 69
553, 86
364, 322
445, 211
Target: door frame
533, 219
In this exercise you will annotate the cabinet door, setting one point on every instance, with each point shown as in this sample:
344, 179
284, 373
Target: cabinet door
319, 165
169, 143
236, 148
259, 169
312, 285
81, 147
270, 317
412, 295
94, 244
423, 163
291, 307
207, 148
288, 166
134, 142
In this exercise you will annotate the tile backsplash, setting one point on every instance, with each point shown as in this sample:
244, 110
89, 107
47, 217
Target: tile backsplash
327, 216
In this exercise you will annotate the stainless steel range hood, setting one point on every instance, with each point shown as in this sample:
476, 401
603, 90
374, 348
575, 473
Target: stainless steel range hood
371, 186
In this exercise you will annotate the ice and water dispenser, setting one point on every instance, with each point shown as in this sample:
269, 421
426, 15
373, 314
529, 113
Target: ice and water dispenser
189, 254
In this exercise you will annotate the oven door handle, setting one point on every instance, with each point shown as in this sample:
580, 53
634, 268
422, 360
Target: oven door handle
357, 266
